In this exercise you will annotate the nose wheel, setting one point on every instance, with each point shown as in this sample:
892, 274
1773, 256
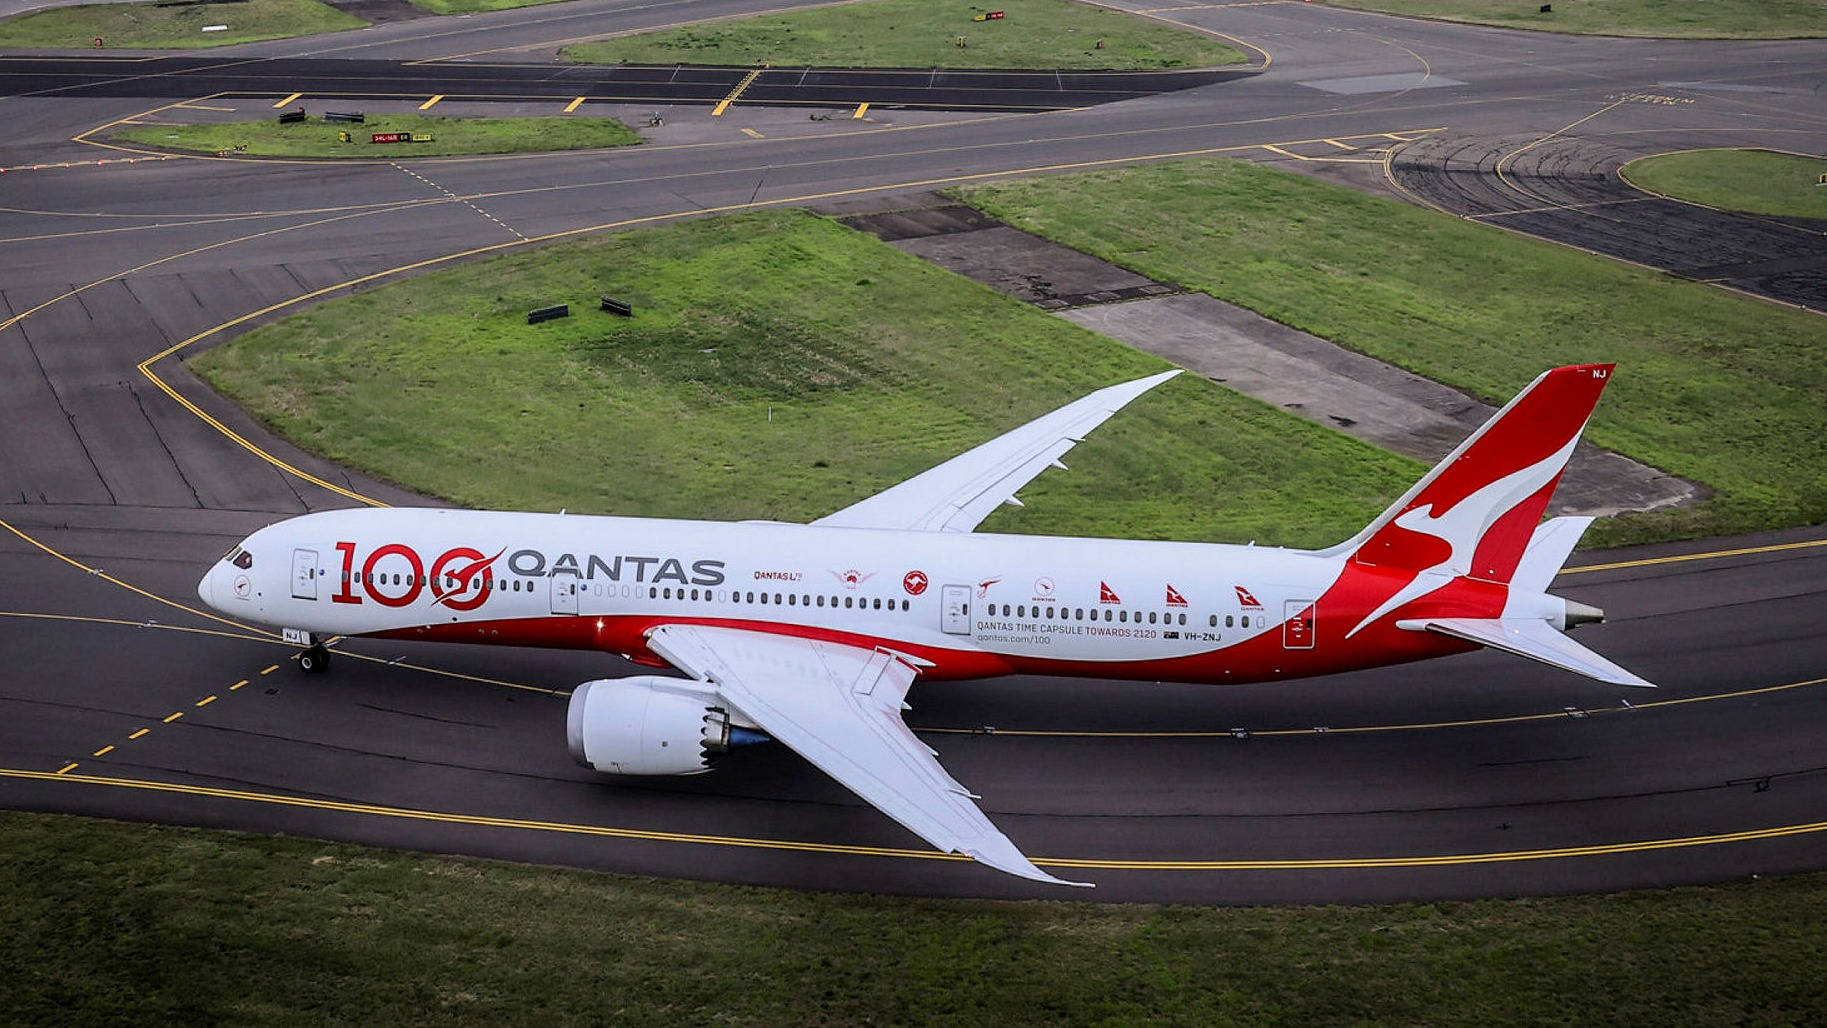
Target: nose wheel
314, 660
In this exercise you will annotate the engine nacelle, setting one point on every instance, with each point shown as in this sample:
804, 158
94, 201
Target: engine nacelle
645, 726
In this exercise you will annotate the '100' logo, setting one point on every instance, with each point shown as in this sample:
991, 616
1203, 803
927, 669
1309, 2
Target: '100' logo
457, 571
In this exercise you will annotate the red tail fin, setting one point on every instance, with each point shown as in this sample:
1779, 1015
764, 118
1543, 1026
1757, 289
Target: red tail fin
1474, 513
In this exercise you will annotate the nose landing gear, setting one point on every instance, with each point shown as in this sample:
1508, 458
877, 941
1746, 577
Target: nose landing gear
315, 660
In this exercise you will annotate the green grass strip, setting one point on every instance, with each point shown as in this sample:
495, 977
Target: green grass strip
117, 923
1752, 181
1713, 386
924, 34
1693, 19
779, 366
144, 26
318, 138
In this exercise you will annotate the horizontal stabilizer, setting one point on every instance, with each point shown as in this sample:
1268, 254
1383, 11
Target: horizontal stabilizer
1531, 638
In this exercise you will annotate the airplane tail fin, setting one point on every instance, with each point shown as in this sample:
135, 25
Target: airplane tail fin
1476, 512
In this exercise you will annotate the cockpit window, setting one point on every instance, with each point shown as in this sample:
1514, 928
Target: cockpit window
241, 559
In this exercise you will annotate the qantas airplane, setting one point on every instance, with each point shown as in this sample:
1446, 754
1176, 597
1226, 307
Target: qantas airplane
812, 634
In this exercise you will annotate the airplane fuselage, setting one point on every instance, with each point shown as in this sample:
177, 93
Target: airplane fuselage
962, 605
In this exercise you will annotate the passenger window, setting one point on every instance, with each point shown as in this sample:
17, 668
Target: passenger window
849, 601
1214, 621
1151, 617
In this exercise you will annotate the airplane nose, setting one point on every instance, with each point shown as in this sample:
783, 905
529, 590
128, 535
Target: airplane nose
203, 587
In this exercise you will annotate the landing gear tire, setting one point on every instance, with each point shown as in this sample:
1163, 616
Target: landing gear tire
314, 661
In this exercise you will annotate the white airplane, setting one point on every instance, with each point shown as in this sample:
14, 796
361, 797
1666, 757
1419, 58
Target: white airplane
812, 634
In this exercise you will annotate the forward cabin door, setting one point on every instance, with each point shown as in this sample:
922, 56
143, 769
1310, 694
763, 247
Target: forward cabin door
565, 586
955, 609
304, 574
1297, 624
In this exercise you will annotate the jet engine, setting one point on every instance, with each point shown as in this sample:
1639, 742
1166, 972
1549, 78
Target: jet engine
649, 725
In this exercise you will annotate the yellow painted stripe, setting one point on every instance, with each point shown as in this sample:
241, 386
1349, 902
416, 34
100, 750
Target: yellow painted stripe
605, 831
574, 105
426, 106
139, 733
66, 769
206, 701
860, 109
287, 100
104, 751
1342, 146
174, 717
237, 685
723, 105
1710, 555
270, 670
752, 134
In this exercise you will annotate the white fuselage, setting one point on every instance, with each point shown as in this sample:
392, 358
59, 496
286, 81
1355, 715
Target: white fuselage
963, 605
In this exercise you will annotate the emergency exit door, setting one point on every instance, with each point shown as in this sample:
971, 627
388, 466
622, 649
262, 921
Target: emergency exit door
304, 574
955, 609
1297, 627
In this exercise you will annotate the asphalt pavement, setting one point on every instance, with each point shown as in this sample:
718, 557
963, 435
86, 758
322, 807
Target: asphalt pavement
1477, 775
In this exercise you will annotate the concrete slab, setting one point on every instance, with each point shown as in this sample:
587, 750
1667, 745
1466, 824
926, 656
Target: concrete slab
1359, 84
1363, 397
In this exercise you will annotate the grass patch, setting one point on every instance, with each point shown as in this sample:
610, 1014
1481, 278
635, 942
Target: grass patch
1690, 19
1712, 386
108, 922
144, 26
780, 366
318, 138
1752, 181
923, 34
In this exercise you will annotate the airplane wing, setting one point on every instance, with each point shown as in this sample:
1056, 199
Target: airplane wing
840, 708
957, 495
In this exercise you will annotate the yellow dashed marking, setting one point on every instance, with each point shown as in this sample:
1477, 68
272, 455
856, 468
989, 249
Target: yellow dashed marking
206, 701
173, 717
237, 685
574, 105
139, 733
752, 134
724, 104
426, 106
103, 751
270, 670
453, 196
860, 109
287, 100
66, 769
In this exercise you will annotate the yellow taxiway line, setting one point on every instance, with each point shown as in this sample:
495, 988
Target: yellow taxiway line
647, 835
